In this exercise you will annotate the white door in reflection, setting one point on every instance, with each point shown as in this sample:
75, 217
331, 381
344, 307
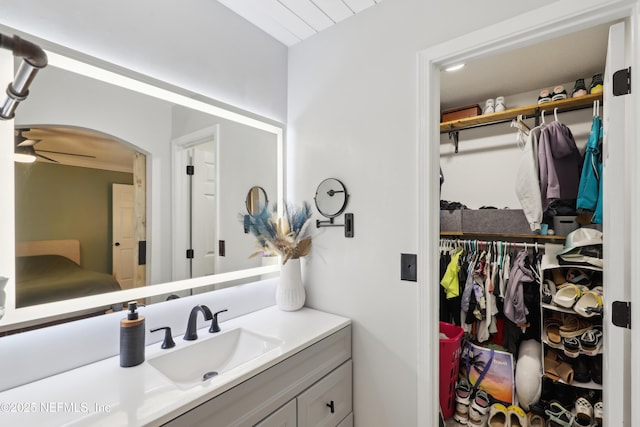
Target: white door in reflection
123, 235
203, 212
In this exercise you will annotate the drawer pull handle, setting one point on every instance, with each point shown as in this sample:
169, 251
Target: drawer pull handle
332, 407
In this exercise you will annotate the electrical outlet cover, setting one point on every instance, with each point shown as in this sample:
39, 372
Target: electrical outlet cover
408, 267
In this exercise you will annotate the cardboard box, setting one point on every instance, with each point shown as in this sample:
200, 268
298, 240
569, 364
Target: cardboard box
461, 113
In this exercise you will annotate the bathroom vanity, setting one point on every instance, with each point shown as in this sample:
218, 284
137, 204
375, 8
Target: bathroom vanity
266, 368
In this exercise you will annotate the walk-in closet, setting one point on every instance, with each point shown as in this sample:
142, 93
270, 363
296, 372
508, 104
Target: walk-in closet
527, 280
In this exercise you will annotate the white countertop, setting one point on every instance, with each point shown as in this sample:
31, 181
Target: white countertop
104, 394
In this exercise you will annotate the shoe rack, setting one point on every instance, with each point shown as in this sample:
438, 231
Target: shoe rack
550, 313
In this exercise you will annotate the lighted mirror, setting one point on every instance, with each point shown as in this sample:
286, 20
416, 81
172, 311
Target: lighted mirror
111, 180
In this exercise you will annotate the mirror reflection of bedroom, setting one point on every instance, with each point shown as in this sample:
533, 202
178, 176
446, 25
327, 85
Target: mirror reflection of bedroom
78, 215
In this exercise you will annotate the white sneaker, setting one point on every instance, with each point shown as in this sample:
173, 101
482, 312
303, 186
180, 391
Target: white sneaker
488, 107
479, 409
463, 398
500, 104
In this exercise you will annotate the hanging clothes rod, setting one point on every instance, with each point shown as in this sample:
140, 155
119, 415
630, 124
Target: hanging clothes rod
481, 244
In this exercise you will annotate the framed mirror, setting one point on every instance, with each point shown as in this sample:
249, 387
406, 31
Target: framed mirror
158, 125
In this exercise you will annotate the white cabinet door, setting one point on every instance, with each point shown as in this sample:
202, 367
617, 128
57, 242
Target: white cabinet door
328, 401
283, 417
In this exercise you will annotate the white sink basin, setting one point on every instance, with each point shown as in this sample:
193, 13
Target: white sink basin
211, 356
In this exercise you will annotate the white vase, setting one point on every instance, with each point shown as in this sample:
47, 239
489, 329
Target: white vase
290, 294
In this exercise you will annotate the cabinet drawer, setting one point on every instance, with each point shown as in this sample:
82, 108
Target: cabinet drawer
327, 402
283, 417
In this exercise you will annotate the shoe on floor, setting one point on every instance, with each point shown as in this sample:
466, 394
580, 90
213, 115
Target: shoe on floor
517, 417
498, 416
559, 416
535, 420
463, 398
479, 409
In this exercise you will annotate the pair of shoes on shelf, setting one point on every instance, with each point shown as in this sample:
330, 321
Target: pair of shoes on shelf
557, 369
574, 326
580, 89
588, 368
511, 416
491, 106
556, 94
588, 343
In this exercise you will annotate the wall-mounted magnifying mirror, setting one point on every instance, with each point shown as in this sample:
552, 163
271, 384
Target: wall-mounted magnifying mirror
331, 200
256, 200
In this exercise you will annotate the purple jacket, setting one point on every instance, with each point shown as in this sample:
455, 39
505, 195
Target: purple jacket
559, 163
514, 308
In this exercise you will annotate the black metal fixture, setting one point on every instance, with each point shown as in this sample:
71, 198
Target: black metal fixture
33, 59
331, 200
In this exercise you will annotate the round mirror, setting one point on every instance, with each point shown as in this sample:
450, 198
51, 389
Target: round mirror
331, 197
256, 200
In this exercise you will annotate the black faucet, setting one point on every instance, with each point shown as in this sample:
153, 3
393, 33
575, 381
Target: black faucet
214, 323
191, 334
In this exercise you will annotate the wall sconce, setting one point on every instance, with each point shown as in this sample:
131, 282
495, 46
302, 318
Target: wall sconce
331, 200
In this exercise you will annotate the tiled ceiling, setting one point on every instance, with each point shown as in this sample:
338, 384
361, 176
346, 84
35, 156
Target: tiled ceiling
291, 21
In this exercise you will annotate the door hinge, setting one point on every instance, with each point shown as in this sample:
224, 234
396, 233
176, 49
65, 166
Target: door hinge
190, 169
189, 253
621, 314
622, 82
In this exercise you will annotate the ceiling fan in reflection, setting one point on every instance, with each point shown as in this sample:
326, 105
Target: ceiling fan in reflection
26, 152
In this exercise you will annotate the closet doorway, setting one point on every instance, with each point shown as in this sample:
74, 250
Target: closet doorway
617, 382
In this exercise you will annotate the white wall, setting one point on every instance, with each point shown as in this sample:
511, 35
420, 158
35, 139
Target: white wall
353, 115
201, 45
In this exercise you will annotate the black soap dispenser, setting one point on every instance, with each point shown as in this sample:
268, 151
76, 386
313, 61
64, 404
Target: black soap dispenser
132, 333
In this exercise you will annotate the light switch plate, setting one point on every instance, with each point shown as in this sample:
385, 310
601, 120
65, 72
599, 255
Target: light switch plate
408, 267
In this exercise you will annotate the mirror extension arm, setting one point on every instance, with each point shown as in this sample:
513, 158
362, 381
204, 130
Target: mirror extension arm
33, 59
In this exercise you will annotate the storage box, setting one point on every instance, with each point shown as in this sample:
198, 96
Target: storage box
451, 220
505, 221
461, 113
563, 225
